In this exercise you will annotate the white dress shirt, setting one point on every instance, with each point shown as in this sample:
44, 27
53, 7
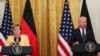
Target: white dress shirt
84, 31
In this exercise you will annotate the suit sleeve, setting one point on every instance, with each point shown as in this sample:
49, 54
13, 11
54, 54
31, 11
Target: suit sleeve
27, 43
91, 37
8, 41
72, 40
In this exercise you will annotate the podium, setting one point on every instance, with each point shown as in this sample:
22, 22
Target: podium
81, 48
7, 50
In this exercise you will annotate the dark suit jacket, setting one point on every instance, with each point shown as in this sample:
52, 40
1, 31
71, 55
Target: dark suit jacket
76, 36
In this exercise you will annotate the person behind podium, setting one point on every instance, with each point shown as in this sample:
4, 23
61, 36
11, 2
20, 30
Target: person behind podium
82, 35
17, 37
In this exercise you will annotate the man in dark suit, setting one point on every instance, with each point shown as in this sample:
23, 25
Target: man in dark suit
81, 36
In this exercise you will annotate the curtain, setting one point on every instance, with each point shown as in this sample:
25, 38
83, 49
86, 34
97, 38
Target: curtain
47, 16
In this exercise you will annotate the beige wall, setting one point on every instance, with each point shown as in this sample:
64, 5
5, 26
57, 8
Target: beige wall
47, 16
2, 6
94, 10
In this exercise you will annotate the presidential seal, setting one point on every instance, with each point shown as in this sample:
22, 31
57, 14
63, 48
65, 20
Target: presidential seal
90, 46
17, 50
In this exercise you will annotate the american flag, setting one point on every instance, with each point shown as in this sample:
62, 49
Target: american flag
65, 32
6, 27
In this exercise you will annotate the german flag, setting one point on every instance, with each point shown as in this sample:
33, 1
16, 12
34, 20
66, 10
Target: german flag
28, 27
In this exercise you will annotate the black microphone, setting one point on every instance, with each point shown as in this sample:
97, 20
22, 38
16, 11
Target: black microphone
17, 40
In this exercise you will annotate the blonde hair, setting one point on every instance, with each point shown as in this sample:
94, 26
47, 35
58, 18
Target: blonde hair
17, 25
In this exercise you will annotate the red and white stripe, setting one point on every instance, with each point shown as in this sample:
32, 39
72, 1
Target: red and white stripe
63, 47
2, 41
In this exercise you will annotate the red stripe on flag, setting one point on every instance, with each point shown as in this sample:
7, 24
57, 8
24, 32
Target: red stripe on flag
1, 43
32, 37
58, 54
63, 47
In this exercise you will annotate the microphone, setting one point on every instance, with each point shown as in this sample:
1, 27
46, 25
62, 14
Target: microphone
17, 40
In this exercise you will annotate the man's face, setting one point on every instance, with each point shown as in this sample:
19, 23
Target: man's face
83, 22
